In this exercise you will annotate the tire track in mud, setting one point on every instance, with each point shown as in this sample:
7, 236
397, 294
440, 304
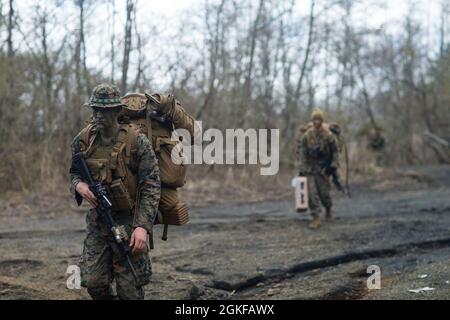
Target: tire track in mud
281, 274
19, 292
17, 266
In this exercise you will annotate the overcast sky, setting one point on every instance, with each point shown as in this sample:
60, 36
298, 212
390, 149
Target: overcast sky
166, 14
387, 11
380, 12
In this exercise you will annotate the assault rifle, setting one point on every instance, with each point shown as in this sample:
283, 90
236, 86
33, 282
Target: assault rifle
103, 209
325, 165
332, 172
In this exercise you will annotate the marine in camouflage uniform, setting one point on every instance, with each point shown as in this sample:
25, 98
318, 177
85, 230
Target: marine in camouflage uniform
376, 145
100, 262
319, 155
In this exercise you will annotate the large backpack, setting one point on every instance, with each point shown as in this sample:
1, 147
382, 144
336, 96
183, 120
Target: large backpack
333, 128
141, 110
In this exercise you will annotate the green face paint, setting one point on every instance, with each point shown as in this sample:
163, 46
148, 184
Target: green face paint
105, 117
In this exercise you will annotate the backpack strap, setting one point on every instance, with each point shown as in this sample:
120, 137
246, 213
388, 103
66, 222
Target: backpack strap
129, 140
149, 125
116, 152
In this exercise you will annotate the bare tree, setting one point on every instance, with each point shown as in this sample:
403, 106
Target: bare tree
11, 16
252, 63
130, 11
213, 45
113, 40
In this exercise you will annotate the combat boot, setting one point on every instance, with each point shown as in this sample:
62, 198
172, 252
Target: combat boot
328, 215
315, 223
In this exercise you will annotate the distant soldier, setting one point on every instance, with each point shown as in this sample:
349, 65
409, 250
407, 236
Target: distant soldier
376, 140
319, 159
376, 144
123, 160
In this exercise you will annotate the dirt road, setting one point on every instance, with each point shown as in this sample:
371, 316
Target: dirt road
262, 250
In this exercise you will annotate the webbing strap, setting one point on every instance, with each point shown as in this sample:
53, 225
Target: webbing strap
157, 146
91, 148
149, 126
125, 139
88, 139
114, 158
166, 230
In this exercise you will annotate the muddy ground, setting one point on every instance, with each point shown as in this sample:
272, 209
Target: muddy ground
399, 221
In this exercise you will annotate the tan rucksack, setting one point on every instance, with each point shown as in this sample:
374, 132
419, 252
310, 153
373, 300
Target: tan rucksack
142, 110
334, 128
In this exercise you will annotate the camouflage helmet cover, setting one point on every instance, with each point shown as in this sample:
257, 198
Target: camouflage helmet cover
105, 96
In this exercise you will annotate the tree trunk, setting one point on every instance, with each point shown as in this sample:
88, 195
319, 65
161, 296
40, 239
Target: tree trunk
9, 39
127, 45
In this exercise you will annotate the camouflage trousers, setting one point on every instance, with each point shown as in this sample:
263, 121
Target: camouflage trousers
100, 264
318, 192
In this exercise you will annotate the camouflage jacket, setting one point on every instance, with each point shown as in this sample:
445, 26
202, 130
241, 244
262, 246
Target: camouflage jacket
148, 180
317, 149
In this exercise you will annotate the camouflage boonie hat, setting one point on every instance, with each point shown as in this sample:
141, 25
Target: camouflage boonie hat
105, 96
317, 114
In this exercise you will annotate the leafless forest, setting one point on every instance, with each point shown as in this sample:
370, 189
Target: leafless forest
233, 64
372, 65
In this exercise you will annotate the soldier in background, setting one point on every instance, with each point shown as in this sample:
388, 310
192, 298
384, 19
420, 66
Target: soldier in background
319, 159
123, 160
376, 144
